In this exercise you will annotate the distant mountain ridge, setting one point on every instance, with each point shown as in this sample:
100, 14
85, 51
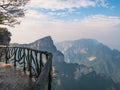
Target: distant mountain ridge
91, 53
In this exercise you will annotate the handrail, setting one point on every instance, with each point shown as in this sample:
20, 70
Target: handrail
38, 63
42, 79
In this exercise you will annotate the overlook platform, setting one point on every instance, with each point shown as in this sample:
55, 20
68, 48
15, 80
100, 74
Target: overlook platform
12, 78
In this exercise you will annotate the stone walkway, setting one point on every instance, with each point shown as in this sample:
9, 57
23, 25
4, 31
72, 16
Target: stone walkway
13, 78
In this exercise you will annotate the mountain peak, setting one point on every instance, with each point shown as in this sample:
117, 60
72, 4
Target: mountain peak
47, 38
92, 41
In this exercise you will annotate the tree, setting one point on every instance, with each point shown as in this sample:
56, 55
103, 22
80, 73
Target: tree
4, 36
10, 10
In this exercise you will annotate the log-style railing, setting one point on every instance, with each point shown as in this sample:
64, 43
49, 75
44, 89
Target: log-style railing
37, 63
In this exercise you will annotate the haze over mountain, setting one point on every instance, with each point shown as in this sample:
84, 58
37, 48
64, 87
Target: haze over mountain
91, 53
72, 76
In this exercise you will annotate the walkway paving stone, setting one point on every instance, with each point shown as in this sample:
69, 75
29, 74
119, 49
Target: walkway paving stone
12, 78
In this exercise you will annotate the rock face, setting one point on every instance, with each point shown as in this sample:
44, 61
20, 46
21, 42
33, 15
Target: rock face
92, 54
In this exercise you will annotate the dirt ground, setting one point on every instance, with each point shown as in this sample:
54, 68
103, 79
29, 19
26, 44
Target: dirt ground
13, 78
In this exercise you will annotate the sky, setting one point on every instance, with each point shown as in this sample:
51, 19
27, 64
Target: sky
70, 20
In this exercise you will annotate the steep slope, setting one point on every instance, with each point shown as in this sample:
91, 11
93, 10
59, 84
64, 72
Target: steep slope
80, 77
92, 53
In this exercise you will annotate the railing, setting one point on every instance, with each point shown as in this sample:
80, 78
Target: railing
37, 63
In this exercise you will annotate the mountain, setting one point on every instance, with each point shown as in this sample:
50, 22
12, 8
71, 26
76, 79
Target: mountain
94, 54
44, 44
70, 76
80, 77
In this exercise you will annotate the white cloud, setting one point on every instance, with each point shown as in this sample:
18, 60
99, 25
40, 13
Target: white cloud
66, 4
101, 21
102, 3
35, 15
61, 14
37, 25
